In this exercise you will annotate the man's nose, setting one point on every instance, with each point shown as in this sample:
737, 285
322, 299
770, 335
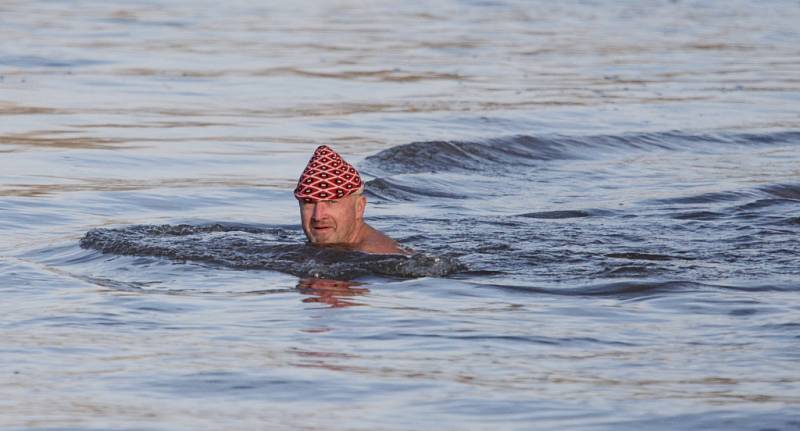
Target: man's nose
319, 211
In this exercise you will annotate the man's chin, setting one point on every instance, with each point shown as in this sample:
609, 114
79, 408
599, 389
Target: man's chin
322, 240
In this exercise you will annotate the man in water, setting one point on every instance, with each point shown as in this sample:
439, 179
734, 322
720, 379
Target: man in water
332, 202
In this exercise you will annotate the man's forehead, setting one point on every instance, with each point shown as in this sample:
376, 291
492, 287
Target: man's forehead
307, 200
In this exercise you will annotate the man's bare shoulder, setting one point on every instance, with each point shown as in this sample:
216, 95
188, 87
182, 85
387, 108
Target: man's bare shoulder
375, 241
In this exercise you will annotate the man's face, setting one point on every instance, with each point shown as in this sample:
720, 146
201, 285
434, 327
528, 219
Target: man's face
334, 221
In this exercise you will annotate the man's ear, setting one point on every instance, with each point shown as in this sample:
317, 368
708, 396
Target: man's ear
361, 206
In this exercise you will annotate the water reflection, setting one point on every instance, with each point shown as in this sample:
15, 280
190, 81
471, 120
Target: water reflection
335, 293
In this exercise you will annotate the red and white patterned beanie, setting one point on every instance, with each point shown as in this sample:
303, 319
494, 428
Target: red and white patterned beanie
327, 177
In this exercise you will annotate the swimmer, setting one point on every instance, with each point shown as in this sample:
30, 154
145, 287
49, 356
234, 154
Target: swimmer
332, 203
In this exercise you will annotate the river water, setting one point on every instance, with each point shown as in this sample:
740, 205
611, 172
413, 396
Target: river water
604, 198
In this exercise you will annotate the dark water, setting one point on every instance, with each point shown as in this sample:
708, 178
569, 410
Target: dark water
604, 198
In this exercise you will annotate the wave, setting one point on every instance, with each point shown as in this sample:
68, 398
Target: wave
712, 419
698, 215
562, 214
397, 189
765, 196
31, 61
784, 191
643, 256
268, 248
631, 289
506, 154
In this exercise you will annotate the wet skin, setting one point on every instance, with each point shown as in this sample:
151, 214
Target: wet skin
341, 222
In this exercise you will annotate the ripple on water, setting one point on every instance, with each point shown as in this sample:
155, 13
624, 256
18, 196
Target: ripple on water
270, 248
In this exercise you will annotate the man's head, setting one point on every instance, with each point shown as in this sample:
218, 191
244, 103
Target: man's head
331, 202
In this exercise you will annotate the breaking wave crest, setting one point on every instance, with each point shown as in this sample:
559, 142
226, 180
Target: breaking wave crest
269, 248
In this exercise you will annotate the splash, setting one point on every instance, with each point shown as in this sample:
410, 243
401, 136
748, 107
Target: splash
268, 248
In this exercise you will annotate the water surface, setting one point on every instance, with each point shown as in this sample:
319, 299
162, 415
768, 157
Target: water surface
605, 197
